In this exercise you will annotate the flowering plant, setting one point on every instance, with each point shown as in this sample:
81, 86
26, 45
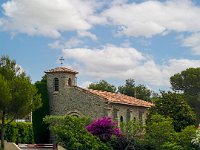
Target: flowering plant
104, 128
196, 140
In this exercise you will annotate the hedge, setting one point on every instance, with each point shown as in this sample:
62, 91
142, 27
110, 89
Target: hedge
19, 132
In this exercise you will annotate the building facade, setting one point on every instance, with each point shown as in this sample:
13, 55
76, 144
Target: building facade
67, 98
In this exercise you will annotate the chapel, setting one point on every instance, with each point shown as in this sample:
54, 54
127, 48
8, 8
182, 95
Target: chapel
65, 97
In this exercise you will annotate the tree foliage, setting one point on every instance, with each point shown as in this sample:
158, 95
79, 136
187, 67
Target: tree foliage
196, 139
18, 96
102, 85
71, 133
159, 130
132, 132
137, 91
19, 132
188, 82
40, 129
175, 106
184, 138
160, 134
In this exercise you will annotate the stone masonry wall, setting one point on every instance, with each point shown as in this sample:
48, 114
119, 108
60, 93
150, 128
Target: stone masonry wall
73, 99
77, 100
134, 112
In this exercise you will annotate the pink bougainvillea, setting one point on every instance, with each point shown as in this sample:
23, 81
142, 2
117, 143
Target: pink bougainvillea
104, 128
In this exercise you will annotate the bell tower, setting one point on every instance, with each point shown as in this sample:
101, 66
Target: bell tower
60, 78
58, 81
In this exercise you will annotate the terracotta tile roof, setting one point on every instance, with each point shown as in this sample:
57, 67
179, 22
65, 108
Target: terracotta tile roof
121, 98
61, 70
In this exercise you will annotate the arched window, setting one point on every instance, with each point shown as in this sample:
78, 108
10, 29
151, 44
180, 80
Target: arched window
128, 115
115, 114
70, 82
140, 117
121, 119
56, 84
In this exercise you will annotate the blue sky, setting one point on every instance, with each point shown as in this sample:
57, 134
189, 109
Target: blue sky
113, 40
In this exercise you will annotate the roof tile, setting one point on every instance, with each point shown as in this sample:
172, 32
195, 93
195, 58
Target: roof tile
61, 70
121, 98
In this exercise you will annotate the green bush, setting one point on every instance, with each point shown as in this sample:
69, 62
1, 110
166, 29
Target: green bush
171, 146
159, 130
185, 137
19, 132
71, 133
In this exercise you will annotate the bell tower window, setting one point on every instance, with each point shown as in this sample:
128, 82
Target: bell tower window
121, 119
70, 82
56, 84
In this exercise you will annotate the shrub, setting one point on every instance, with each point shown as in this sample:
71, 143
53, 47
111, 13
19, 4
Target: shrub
104, 128
159, 130
70, 132
132, 132
185, 137
196, 140
171, 146
19, 132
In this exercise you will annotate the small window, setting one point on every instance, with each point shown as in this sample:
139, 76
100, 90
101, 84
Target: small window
115, 113
56, 84
70, 82
128, 115
121, 119
140, 117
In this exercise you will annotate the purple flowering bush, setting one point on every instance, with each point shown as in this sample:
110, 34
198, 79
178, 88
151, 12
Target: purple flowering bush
104, 128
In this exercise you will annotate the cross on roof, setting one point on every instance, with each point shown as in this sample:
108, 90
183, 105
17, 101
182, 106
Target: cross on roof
61, 60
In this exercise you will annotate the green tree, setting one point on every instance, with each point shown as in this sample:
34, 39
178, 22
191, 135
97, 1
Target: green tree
159, 130
184, 138
137, 91
175, 106
102, 85
18, 96
160, 134
40, 129
128, 88
188, 82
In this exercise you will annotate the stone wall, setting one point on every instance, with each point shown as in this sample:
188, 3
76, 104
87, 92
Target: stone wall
77, 101
134, 112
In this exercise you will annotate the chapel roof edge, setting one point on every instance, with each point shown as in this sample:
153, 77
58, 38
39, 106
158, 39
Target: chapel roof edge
61, 70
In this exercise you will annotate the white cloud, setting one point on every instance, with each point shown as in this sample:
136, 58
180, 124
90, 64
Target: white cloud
153, 17
72, 42
193, 42
85, 84
147, 18
42, 17
123, 63
110, 56
87, 34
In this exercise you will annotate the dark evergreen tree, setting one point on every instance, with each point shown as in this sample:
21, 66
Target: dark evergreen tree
40, 129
